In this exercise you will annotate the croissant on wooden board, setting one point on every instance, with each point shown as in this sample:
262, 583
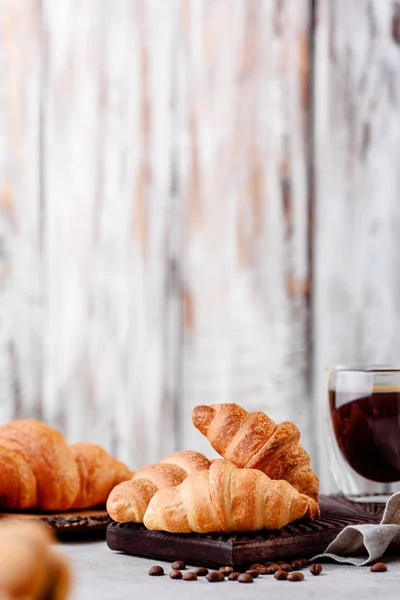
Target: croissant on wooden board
38, 469
30, 567
253, 440
228, 499
129, 500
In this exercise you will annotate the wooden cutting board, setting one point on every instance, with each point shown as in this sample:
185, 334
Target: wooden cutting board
69, 523
299, 539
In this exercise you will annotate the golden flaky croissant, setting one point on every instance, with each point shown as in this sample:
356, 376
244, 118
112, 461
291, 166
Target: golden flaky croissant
129, 500
98, 471
39, 470
227, 499
30, 567
253, 440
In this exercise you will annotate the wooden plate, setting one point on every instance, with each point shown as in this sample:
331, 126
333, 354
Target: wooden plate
300, 539
69, 523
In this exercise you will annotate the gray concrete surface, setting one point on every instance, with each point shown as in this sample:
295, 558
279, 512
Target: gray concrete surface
101, 574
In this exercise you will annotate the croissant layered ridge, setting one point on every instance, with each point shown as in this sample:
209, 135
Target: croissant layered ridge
129, 500
98, 471
254, 440
227, 499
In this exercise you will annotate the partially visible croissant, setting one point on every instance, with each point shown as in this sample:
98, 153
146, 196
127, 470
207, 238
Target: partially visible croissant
129, 500
98, 471
30, 568
253, 440
39, 470
227, 499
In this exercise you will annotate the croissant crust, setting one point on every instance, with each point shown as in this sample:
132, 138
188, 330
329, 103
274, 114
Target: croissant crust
253, 440
227, 499
129, 500
38, 469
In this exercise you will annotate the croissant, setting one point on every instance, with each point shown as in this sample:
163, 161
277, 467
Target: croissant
98, 471
226, 499
49, 479
253, 440
29, 566
129, 500
39, 470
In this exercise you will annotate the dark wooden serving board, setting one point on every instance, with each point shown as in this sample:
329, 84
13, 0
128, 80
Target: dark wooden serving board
299, 539
92, 521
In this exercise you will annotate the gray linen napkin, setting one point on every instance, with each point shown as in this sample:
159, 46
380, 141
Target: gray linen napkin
351, 545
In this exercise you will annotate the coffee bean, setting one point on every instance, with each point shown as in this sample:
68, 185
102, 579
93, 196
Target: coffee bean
295, 576
215, 576
189, 576
297, 565
200, 571
379, 567
316, 569
226, 571
257, 566
285, 566
179, 565
245, 578
281, 575
273, 568
262, 570
175, 574
304, 561
233, 576
156, 571
253, 572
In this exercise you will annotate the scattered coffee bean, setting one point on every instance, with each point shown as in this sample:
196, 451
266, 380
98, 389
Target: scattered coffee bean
253, 572
226, 571
175, 574
262, 569
189, 576
156, 571
271, 569
281, 575
316, 569
200, 571
245, 578
285, 567
295, 576
379, 567
305, 562
297, 565
179, 565
215, 576
233, 576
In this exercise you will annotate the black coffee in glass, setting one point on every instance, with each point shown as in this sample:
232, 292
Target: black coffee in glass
364, 422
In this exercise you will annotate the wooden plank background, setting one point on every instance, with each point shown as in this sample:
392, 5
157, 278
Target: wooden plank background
198, 203
356, 241
242, 180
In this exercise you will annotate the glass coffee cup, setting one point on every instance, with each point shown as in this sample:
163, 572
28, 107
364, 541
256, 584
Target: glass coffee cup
363, 420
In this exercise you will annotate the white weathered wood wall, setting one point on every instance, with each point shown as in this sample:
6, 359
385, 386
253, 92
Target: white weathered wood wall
242, 178
356, 233
199, 202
